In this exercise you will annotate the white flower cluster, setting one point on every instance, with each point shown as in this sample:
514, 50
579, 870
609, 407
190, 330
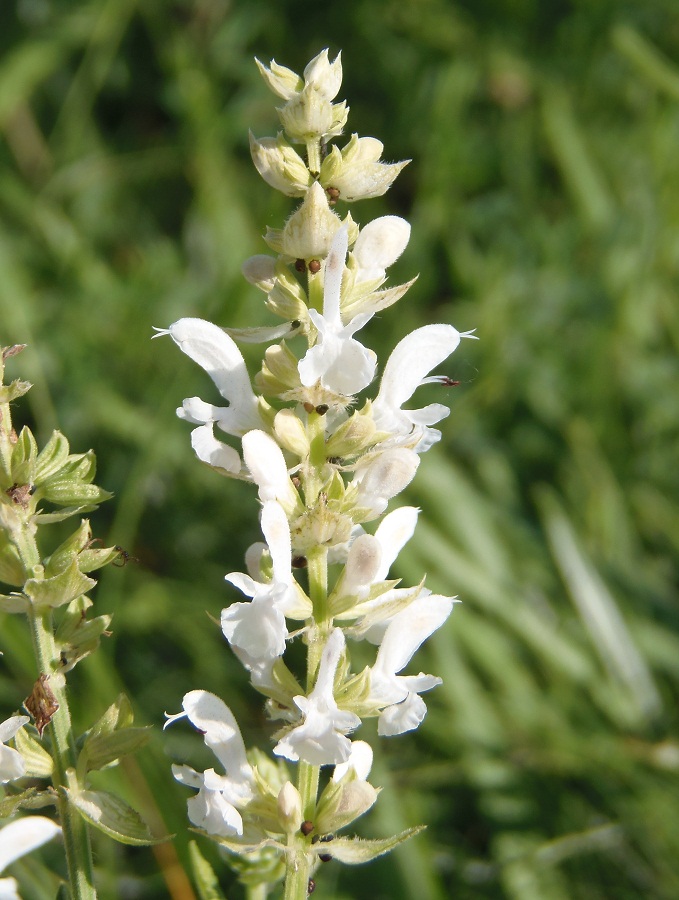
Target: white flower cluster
323, 468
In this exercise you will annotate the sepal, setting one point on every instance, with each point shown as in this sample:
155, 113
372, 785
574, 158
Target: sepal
280, 166
103, 750
356, 171
71, 483
14, 390
309, 231
38, 762
341, 803
58, 590
308, 116
279, 372
24, 456
77, 636
355, 851
88, 556
52, 457
287, 297
281, 80
11, 568
353, 436
33, 798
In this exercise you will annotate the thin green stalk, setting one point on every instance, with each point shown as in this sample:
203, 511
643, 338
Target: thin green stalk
76, 836
256, 892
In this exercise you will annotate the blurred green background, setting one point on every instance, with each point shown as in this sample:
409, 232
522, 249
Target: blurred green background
544, 200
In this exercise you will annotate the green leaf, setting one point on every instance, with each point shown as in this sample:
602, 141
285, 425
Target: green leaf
38, 761
203, 875
110, 814
103, 750
356, 851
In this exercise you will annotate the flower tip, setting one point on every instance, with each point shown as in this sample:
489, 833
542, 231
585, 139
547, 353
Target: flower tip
173, 717
160, 332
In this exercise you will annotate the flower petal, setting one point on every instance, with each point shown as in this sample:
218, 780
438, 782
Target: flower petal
412, 358
221, 733
214, 452
21, 836
265, 460
217, 353
379, 244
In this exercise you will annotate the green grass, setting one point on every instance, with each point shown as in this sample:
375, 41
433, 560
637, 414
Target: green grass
544, 200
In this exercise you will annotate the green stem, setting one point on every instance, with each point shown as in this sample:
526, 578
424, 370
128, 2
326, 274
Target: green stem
76, 836
313, 155
299, 860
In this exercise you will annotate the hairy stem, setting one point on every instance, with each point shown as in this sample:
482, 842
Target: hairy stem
76, 836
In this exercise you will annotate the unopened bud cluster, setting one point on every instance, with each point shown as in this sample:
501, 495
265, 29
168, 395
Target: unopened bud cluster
324, 464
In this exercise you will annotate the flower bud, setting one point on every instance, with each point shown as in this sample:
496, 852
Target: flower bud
280, 166
355, 171
352, 436
308, 116
287, 298
309, 231
260, 271
323, 75
290, 433
279, 371
289, 808
282, 81
342, 803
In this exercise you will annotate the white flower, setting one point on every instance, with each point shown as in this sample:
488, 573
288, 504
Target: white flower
220, 797
412, 358
339, 362
404, 709
379, 245
384, 476
218, 354
258, 628
370, 556
12, 763
321, 738
19, 838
